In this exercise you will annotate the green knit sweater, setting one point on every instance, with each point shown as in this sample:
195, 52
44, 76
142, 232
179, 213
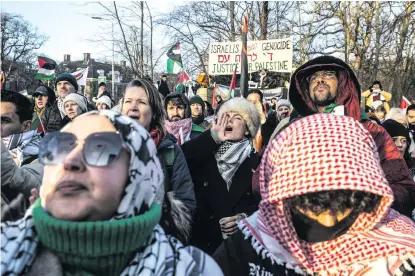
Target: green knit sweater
95, 248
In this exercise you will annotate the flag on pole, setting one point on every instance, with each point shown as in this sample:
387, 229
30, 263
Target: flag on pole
244, 59
46, 69
232, 85
174, 61
184, 77
404, 103
81, 76
1, 79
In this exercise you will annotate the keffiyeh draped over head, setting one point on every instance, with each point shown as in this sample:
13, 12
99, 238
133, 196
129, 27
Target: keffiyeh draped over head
323, 153
160, 255
145, 174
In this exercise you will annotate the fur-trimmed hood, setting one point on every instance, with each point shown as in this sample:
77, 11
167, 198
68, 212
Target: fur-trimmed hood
348, 92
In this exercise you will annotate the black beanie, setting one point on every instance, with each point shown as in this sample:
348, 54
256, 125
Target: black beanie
396, 129
68, 77
199, 100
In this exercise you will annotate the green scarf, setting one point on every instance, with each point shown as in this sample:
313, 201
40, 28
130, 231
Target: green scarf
197, 128
332, 106
98, 248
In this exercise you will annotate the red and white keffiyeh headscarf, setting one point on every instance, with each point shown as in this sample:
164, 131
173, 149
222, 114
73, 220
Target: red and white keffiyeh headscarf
328, 152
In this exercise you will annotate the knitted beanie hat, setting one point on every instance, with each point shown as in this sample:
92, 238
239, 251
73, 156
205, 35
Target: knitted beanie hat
68, 77
244, 108
396, 129
197, 99
106, 100
79, 99
283, 102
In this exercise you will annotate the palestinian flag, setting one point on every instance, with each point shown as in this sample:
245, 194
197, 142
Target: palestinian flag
183, 78
174, 61
46, 69
405, 103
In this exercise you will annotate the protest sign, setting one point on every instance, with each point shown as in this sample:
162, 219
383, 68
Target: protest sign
273, 55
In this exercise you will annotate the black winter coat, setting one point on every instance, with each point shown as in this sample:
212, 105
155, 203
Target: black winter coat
213, 199
53, 118
236, 256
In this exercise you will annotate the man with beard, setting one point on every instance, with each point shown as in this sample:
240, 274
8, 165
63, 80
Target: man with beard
65, 84
197, 106
328, 85
179, 122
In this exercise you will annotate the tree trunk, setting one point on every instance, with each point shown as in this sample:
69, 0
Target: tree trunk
264, 20
232, 19
397, 81
377, 41
125, 40
142, 40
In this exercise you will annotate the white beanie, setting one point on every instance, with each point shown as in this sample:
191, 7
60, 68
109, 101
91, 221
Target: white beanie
283, 102
79, 99
244, 108
106, 100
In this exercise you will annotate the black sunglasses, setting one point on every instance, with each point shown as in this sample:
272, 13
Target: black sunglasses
100, 149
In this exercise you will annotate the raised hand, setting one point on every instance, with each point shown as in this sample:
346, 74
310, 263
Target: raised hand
219, 127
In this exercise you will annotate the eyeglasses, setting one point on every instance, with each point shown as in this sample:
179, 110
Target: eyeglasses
39, 95
324, 75
99, 150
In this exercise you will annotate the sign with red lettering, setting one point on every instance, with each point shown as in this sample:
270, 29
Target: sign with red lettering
274, 55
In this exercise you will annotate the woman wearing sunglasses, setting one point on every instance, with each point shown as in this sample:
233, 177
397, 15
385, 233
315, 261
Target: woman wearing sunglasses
44, 97
99, 208
142, 102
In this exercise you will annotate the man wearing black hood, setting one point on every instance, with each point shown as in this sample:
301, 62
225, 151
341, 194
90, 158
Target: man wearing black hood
179, 121
328, 85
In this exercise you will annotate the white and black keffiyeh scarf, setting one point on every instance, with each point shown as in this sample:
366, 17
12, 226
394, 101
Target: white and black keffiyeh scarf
161, 255
61, 107
230, 156
23, 145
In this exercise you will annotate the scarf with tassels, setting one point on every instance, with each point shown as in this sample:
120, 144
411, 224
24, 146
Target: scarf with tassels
230, 156
154, 253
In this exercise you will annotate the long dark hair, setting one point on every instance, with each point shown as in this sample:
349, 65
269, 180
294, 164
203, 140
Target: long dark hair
155, 102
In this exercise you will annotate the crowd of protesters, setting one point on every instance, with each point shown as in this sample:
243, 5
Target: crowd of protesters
162, 184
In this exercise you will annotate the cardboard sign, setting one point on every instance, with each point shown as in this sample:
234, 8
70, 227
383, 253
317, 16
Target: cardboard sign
274, 55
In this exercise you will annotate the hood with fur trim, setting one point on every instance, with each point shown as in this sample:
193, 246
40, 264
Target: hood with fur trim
348, 91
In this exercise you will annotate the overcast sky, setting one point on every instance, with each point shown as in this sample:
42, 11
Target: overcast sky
68, 25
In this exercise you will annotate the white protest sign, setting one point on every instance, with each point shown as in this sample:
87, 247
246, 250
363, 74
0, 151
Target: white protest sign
274, 55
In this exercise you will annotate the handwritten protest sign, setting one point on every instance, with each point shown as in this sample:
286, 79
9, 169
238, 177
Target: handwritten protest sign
274, 55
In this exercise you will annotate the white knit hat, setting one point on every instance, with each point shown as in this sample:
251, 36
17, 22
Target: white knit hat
106, 100
244, 108
283, 102
79, 99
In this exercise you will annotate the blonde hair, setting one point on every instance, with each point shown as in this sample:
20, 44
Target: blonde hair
397, 115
